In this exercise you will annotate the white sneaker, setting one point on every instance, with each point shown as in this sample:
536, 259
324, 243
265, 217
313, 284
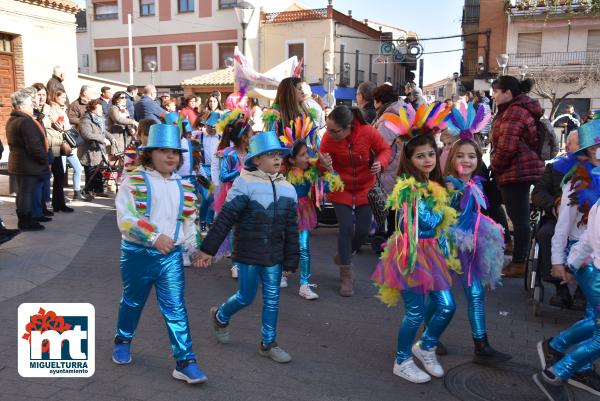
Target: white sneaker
283, 283
410, 371
307, 293
235, 271
187, 261
429, 360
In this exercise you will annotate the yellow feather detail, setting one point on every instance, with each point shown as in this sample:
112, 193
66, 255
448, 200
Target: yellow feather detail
388, 295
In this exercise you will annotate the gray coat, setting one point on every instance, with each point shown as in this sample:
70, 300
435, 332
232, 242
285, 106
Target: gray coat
90, 152
28, 154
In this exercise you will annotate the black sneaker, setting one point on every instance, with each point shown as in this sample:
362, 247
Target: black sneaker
562, 299
588, 380
554, 392
42, 219
548, 355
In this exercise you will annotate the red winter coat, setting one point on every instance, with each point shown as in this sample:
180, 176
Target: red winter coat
514, 156
351, 161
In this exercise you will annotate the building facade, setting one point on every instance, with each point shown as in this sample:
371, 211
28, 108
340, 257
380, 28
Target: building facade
35, 35
484, 28
178, 39
559, 46
333, 45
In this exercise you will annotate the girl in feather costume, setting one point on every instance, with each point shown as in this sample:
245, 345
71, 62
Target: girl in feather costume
417, 261
479, 241
310, 184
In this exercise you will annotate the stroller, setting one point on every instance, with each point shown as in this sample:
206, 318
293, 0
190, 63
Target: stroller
111, 171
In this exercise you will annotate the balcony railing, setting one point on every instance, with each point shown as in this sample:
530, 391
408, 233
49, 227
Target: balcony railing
471, 68
470, 14
563, 60
549, 8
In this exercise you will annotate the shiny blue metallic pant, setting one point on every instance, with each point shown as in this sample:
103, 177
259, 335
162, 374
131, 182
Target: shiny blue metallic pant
248, 278
304, 238
414, 314
475, 295
207, 215
142, 268
587, 351
580, 331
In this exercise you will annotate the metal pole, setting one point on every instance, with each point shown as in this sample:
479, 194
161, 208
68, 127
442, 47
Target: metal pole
244, 39
371, 69
130, 49
356, 69
421, 68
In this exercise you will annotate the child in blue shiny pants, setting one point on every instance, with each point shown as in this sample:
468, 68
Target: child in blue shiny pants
156, 217
261, 209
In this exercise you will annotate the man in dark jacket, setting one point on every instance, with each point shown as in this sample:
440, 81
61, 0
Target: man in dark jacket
545, 195
28, 158
131, 94
76, 110
105, 99
364, 100
56, 82
147, 107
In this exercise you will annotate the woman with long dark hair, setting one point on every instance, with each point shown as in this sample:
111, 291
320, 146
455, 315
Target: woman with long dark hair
358, 153
515, 162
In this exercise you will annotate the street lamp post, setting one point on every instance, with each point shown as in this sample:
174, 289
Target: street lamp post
244, 12
523, 71
502, 60
455, 76
152, 67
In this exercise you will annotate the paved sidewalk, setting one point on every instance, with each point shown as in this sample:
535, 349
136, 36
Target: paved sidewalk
343, 348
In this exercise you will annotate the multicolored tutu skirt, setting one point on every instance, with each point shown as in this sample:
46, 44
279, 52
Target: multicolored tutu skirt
430, 272
307, 214
221, 196
481, 259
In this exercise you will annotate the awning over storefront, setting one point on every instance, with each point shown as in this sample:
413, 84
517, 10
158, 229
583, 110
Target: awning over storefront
340, 92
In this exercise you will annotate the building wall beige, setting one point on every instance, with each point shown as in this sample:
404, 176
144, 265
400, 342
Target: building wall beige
48, 39
168, 29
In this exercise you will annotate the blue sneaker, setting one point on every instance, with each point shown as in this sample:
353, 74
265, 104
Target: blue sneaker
189, 371
121, 354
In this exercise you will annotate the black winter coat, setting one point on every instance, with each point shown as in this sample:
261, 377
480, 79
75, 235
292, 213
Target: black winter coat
262, 213
547, 190
28, 154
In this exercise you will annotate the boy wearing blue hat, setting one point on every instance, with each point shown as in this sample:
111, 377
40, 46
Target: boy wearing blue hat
156, 215
261, 209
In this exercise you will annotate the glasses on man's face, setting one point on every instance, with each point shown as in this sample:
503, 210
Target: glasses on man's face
274, 154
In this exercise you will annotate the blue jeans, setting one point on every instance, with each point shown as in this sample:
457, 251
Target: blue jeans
37, 197
248, 278
77, 169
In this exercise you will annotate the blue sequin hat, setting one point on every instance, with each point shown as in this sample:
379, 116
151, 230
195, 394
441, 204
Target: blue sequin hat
164, 136
589, 135
262, 143
213, 119
171, 118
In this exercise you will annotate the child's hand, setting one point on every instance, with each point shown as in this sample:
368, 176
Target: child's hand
201, 260
164, 244
326, 162
559, 271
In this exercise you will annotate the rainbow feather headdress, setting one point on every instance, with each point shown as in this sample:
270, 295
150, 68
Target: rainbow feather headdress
465, 122
409, 123
301, 129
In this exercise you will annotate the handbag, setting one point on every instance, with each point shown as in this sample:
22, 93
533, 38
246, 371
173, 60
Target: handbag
377, 201
65, 149
73, 137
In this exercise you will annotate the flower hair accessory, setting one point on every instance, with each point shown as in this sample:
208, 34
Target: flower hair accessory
409, 122
465, 122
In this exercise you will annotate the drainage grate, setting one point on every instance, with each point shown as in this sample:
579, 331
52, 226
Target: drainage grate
509, 381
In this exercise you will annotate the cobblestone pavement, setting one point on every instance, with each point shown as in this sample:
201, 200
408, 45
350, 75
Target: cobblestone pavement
343, 348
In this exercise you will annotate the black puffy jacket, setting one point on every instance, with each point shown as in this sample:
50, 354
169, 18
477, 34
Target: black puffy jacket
547, 190
262, 212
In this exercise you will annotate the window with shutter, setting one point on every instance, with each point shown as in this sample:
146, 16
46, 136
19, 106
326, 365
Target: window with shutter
149, 55
108, 60
187, 57
529, 43
593, 40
